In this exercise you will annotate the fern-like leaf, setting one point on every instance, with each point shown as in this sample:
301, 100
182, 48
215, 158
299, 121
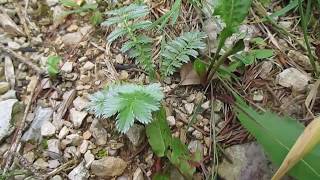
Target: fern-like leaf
130, 20
177, 51
130, 101
141, 50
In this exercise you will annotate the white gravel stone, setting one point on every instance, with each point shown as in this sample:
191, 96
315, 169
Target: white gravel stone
88, 66
293, 78
63, 132
80, 103
189, 107
171, 120
54, 146
67, 67
77, 117
47, 129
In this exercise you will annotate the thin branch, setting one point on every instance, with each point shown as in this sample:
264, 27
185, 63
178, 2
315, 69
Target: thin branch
22, 59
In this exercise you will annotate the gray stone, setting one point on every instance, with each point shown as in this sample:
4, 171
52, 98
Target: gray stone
300, 59
123, 75
88, 66
54, 146
171, 120
53, 163
77, 117
197, 134
34, 132
138, 174
11, 94
67, 67
80, 103
56, 177
189, 107
119, 59
293, 78
195, 146
83, 146
98, 132
72, 38
75, 139
89, 158
40, 164
7, 114
52, 2
136, 134
248, 162
63, 132
266, 68
13, 45
48, 129
79, 173
29, 156
205, 105
108, 166
4, 87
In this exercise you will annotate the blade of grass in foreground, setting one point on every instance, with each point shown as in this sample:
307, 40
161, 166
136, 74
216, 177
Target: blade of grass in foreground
277, 135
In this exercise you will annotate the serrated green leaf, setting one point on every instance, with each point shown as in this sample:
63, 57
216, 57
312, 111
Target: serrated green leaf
158, 133
53, 66
177, 51
232, 12
277, 135
181, 157
116, 34
130, 101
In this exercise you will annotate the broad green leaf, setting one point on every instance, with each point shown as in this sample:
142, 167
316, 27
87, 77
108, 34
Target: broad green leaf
200, 67
232, 12
158, 133
262, 53
181, 157
277, 135
53, 66
304, 144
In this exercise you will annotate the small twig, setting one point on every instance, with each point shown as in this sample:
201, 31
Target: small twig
61, 168
21, 59
18, 132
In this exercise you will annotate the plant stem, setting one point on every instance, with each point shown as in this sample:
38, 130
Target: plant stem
305, 36
215, 67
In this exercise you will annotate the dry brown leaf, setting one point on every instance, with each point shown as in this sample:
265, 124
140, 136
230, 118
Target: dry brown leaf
309, 138
188, 75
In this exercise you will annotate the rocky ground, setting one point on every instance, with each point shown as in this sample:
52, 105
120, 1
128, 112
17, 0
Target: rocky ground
61, 140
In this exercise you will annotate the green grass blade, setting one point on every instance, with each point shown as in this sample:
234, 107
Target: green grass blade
277, 135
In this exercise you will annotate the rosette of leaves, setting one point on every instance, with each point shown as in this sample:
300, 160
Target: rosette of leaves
129, 101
